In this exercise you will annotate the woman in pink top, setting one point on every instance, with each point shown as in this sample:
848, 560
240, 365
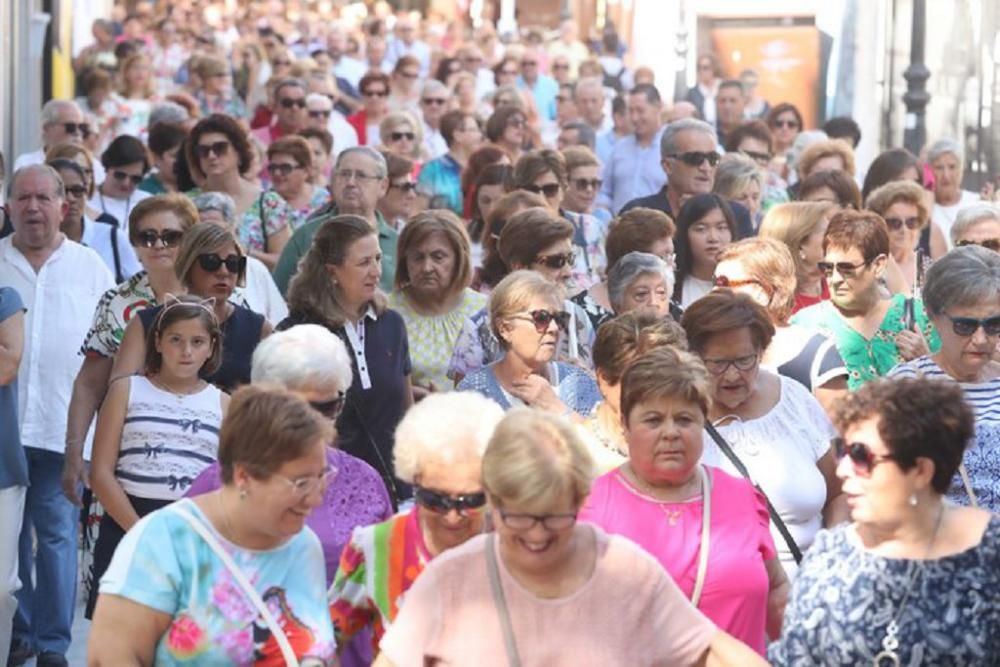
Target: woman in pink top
708, 529
544, 589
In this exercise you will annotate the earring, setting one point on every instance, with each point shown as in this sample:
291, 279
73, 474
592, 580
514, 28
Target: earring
243, 494
913, 500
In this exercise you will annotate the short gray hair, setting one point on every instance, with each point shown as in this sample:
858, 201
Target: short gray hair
217, 201
381, 168
289, 83
168, 112
584, 133
53, 109
945, 146
589, 82
734, 174
965, 277
306, 356
971, 215
447, 427
631, 266
435, 86
668, 140
43, 168
319, 97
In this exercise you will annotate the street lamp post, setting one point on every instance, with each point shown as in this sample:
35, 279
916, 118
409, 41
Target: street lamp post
916, 75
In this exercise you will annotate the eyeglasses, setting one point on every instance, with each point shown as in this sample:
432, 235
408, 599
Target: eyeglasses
211, 262
551, 522
399, 136
406, 187
330, 409
542, 318
725, 281
218, 149
560, 66
303, 486
282, 169
348, 174
759, 157
587, 183
895, 224
410, 75
442, 503
375, 93
288, 102
83, 129
697, 158
966, 326
790, 124
319, 114
76, 191
119, 175
529, 63
550, 190
517, 124
846, 269
556, 262
862, 457
720, 366
281, 62
508, 72
989, 244
168, 238
436, 101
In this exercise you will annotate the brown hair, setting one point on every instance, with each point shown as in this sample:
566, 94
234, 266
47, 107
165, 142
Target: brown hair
497, 122
324, 136
494, 268
396, 166
421, 227
405, 61
666, 373
207, 66
514, 294
452, 121
863, 230
266, 427
538, 163
770, 263
68, 151
293, 146
181, 309
843, 186
723, 310
626, 337
373, 76
754, 129
815, 152
785, 107
529, 231
200, 238
218, 123
883, 198
173, 202
578, 156
637, 230
481, 158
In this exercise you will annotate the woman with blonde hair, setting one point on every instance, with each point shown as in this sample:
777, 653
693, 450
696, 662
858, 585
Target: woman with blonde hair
902, 204
800, 226
738, 178
138, 91
401, 133
829, 155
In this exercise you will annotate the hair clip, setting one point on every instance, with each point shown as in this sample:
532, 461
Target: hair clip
171, 301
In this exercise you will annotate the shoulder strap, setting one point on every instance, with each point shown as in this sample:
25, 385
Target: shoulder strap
119, 277
706, 532
263, 219
510, 643
251, 593
967, 484
738, 464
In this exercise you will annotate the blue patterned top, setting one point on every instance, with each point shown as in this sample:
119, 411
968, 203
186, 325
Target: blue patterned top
441, 180
844, 597
573, 385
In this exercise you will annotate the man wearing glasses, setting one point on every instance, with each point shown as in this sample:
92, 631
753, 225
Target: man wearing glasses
289, 108
62, 122
434, 99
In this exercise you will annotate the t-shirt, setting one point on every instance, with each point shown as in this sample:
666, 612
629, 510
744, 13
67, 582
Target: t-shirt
628, 613
163, 564
13, 467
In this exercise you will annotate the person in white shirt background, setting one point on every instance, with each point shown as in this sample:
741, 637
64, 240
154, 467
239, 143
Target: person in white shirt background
62, 122
434, 101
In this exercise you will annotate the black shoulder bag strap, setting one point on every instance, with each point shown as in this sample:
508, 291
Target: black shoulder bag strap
119, 276
775, 519
263, 220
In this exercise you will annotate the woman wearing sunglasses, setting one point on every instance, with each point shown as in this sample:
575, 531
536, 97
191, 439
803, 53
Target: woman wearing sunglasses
785, 122
210, 264
374, 89
912, 579
765, 427
507, 129
872, 334
439, 448
902, 205
400, 133
962, 296
290, 162
527, 316
546, 588
125, 162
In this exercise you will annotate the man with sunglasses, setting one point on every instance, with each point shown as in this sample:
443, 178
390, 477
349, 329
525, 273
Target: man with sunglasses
289, 107
434, 101
62, 122
978, 224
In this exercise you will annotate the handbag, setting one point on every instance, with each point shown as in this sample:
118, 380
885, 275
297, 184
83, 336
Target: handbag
773, 513
248, 590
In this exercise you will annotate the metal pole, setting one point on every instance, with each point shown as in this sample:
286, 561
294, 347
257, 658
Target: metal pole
916, 75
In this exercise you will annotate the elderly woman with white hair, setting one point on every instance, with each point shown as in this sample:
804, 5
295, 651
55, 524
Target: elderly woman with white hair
978, 224
555, 590
946, 160
439, 448
260, 294
738, 178
640, 280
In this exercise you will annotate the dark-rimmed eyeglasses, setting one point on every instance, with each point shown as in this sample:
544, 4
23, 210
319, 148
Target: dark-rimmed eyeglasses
862, 457
543, 318
989, 244
436, 101
399, 136
119, 175
281, 62
697, 158
517, 124
967, 326
76, 191
218, 149
442, 503
556, 262
720, 366
846, 269
790, 124
376, 93
330, 409
318, 113
212, 262
282, 169
587, 183
406, 187
552, 522
895, 224
168, 238
549, 190
289, 102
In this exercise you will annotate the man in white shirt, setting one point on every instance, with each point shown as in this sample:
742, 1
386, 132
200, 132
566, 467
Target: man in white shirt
434, 99
62, 122
344, 66
60, 283
405, 43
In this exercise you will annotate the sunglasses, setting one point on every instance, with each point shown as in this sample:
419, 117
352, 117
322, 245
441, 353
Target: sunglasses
218, 149
330, 409
211, 262
319, 114
399, 136
376, 93
895, 224
556, 262
697, 158
550, 190
281, 169
170, 238
725, 281
288, 103
406, 187
720, 366
846, 269
542, 318
442, 503
509, 72
966, 326
437, 101
76, 190
989, 244
588, 183
790, 124
136, 179
759, 157
517, 124
281, 62
862, 457
83, 129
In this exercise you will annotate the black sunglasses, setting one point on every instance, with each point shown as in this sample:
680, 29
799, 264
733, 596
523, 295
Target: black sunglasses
125, 176
288, 103
548, 190
442, 503
406, 187
791, 124
759, 157
169, 238
989, 244
73, 128
556, 262
862, 457
211, 262
697, 158
895, 224
966, 326
219, 148
542, 318
330, 409
437, 101
399, 136
319, 114
76, 190
376, 93
585, 183
281, 169
846, 269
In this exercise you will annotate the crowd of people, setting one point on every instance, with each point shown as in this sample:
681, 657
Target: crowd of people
371, 339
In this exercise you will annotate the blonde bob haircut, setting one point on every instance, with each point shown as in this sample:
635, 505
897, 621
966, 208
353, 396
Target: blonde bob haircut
815, 152
894, 192
735, 174
204, 237
444, 428
396, 118
770, 263
534, 461
665, 374
68, 151
514, 295
792, 224
419, 229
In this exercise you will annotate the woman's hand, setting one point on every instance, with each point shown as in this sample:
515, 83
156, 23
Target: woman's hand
538, 393
911, 345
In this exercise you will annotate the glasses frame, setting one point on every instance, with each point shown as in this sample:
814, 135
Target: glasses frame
588, 183
863, 459
845, 269
522, 522
218, 149
989, 244
549, 190
330, 409
282, 169
697, 158
168, 238
443, 503
120, 175
741, 364
542, 318
989, 325
288, 102
212, 262
556, 262
303, 486
895, 224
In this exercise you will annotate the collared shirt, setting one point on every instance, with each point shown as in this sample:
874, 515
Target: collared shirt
356, 338
632, 171
588, 238
434, 142
544, 90
60, 301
